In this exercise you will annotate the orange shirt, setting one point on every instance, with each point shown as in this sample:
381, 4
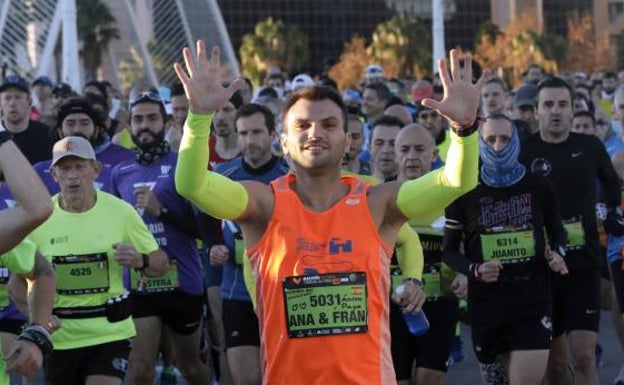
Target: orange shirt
342, 243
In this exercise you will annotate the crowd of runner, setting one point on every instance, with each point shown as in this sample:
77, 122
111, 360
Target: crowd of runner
283, 234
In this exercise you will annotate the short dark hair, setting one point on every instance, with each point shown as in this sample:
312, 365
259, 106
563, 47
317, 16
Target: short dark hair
252, 109
386, 120
98, 100
395, 100
268, 91
249, 83
499, 81
382, 90
177, 89
81, 105
315, 94
585, 114
554, 82
609, 75
499, 116
327, 81
355, 118
94, 83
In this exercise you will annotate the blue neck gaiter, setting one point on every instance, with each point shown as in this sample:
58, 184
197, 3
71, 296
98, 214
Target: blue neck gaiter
501, 168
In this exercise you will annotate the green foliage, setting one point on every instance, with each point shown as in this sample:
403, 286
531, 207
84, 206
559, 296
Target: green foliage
511, 52
402, 46
273, 44
96, 29
489, 30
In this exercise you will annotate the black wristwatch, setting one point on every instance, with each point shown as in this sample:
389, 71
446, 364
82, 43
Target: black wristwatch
467, 130
5, 136
145, 262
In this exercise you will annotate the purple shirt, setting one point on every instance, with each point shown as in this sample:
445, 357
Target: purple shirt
159, 178
108, 154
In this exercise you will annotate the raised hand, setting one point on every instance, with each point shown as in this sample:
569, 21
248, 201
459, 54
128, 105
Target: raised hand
202, 81
461, 97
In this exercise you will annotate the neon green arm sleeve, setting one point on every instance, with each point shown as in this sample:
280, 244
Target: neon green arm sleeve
213, 193
427, 195
250, 280
410, 253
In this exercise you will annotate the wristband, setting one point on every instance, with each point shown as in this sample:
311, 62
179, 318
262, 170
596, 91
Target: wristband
145, 258
39, 336
415, 281
475, 271
467, 130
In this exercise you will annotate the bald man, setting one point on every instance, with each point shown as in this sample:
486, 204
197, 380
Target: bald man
400, 112
415, 151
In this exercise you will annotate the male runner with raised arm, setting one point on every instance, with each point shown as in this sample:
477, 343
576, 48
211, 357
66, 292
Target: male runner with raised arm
320, 243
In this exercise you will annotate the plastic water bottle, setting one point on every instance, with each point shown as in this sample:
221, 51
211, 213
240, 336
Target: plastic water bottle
418, 323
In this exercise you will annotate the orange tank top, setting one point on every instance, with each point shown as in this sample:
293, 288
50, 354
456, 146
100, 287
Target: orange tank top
322, 287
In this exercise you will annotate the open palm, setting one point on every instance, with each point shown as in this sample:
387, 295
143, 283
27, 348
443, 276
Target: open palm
461, 97
202, 81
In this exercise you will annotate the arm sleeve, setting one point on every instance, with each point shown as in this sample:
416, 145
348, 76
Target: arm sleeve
557, 235
608, 177
409, 253
453, 233
427, 195
214, 194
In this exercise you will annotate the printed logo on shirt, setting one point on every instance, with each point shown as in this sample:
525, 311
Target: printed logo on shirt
333, 246
57, 240
120, 364
541, 166
10, 203
164, 170
337, 247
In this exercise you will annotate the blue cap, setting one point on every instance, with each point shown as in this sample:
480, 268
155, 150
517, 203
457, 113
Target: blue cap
46, 81
15, 81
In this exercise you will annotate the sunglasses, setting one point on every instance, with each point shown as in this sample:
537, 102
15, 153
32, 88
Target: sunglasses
148, 96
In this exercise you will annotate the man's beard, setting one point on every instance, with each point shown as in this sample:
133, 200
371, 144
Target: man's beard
158, 138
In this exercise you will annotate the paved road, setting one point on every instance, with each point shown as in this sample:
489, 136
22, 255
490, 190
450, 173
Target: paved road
467, 373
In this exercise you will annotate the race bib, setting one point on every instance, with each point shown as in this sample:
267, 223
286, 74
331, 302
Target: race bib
508, 247
167, 282
432, 281
576, 234
81, 274
325, 305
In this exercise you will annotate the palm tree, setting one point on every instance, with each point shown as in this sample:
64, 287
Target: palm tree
96, 29
401, 46
273, 44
